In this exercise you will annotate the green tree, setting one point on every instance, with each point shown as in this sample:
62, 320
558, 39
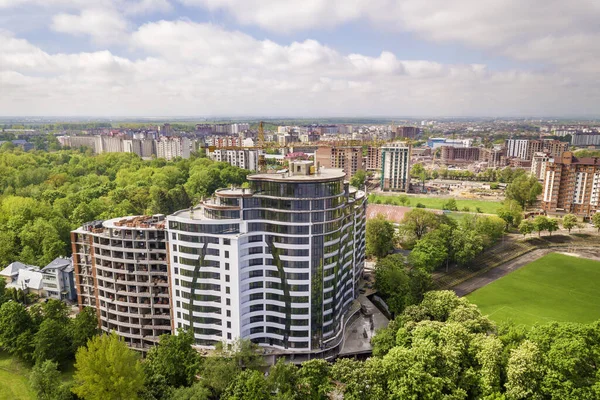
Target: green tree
16, 329
392, 282
569, 222
450, 205
379, 237
526, 227
491, 228
195, 392
284, 380
315, 377
418, 222
175, 359
596, 220
524, 372
45, 381
429, 253
83, 327
52, 342
466, 245
511, 212
524, 190
540, 224
107, 370
217, 373
358, 179
552, 225
248, 385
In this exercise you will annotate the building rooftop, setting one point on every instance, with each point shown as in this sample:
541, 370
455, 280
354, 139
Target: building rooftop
13, 268
322, 175
139, 222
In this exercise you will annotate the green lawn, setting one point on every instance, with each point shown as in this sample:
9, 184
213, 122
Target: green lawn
486, 206
554, 288
14, 379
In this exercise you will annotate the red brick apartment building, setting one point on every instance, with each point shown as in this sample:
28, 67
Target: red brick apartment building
572, 185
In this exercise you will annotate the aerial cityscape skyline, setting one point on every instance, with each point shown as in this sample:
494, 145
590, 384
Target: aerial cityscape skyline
321, 58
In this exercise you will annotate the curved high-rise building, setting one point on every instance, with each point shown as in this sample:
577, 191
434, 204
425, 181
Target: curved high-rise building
277, 263
121, 270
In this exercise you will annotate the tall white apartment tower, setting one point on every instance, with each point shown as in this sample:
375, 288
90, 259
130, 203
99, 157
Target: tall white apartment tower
277, 263
395, 167
517, 148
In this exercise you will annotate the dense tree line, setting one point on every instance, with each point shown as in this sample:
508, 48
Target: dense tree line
440, 348
46, 195
504, 175
436, 240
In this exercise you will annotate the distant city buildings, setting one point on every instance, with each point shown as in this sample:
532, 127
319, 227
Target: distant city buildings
572, 185
395, 171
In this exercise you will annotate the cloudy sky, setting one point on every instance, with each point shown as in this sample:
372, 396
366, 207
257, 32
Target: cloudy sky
299, 57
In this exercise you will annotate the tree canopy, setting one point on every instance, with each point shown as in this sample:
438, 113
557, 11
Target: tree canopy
43, 196
379, 237
108, 370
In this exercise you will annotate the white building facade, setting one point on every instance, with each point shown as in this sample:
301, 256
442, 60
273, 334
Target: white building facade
395, 167
277, 263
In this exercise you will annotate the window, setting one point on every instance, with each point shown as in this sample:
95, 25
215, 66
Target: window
174, 247
229, 335
174, 236
226, 278
227, 242
175, 259
226, 254
229, 313
228, 302
226, 266
229, 324
227, 290
178, 303
176, 271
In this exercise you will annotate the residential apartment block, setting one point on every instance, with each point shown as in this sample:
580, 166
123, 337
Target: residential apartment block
517, 148
459, 154
347, 158
374, 158
121, 270
538, 164
395, 170
242, 158
277, 263
572, 185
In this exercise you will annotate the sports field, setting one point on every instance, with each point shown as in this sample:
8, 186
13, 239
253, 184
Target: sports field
486, 206
554, 288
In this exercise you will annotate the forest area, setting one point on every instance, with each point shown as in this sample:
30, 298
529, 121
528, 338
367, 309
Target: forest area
45, 195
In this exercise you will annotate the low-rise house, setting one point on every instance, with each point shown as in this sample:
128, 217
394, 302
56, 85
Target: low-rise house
58, 279
11, 273
25, 277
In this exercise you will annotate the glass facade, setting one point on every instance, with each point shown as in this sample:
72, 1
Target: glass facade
283, 270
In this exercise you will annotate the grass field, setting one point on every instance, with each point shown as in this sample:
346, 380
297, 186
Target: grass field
486, 206
14, 378
554, 288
